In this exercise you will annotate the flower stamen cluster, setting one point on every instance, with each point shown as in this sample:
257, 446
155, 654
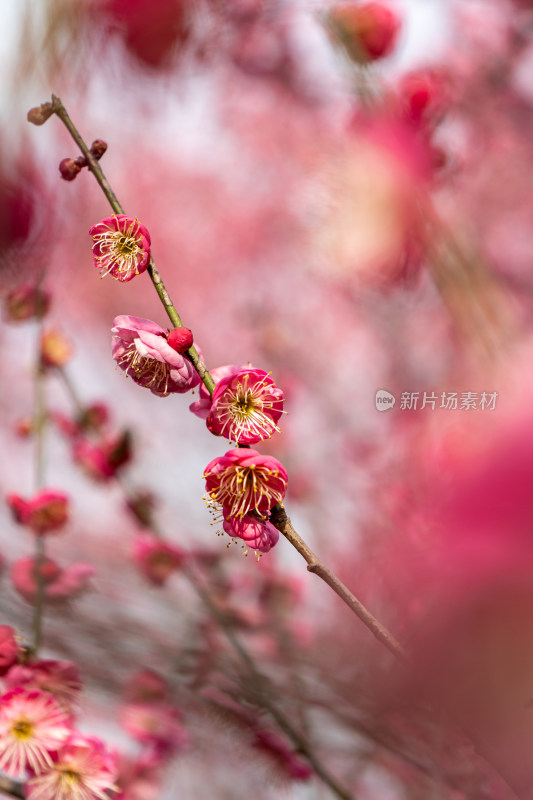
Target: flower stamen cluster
244, 481
121, 247
246, 407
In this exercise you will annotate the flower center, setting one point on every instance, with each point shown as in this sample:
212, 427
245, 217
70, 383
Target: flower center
147, 371
125, 245
22, 729
70, 776
242, 489
247, 410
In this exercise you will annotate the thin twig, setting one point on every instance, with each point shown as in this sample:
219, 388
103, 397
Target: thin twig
11, 787
282, 522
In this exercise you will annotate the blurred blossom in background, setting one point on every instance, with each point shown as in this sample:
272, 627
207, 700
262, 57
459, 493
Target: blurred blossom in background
340, 195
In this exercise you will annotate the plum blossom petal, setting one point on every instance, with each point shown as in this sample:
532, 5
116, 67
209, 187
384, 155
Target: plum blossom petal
141, 350
81, 770
258, 534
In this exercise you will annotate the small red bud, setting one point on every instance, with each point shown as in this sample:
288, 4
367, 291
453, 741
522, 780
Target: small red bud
39, 114
180, 339
98, 148
69, 168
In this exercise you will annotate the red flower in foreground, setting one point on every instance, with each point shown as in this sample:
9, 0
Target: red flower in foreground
243, 480
47, 511
81, 770
121, 247
32, 726
245, 407
60, 678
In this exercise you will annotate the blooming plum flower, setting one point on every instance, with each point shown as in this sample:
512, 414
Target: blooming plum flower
46, 512
8, 648
258, 534
245, 407
81, 770
141, 349
59, 584
156, 559
59, 678
243, 480
202, 406
32, 726
121, 247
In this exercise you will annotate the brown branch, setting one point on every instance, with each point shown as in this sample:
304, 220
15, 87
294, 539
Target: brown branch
282, 522
11, 787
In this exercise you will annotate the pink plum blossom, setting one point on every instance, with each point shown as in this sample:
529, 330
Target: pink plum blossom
141, 349
59, 584
8, 648
245, 407
102, 459
82, 769
121, 247
243, 480
32, 726
156, 559
258, 534
46, 512
60, 678
201, 406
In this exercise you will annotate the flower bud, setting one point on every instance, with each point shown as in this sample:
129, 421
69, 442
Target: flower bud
367, 31
180, 339
26, 302
69, 168
98, 148
39, 114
